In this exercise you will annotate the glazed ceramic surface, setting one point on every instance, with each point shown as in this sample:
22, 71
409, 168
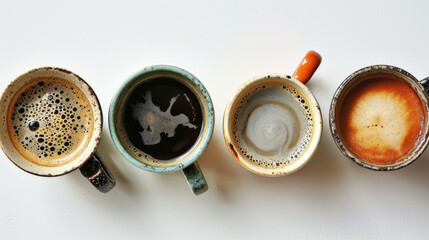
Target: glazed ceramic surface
304, 72
186, 161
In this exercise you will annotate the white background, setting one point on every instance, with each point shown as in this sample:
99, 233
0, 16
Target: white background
223, 43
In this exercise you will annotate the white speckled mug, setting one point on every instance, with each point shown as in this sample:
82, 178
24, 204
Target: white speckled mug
50, 125
272, 124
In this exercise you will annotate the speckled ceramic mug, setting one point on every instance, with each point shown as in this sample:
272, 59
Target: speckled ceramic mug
50, 125
161, 119
273, 124
379, 117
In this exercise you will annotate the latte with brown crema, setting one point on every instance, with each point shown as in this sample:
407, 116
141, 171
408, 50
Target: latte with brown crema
381, 119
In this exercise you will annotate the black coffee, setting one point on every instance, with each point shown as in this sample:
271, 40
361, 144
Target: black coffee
162, 118
50, 121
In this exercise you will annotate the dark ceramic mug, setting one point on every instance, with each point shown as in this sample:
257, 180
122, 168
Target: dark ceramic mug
379, 117
51, 124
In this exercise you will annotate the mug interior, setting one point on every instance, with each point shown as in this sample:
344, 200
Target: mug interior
366, 75
143, 159
273, 162
68, 162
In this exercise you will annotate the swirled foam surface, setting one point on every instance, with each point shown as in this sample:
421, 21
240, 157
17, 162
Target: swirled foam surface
272, 124
381, 119
50, 121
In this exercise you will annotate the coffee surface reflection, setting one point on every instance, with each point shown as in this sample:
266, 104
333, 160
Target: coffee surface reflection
162, 119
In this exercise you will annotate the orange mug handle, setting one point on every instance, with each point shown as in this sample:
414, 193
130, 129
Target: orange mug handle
307, 66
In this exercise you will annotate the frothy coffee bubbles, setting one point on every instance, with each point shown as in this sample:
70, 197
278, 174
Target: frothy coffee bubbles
50, 121
273, 125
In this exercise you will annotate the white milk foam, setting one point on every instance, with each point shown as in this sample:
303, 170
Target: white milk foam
156, 121
273, 125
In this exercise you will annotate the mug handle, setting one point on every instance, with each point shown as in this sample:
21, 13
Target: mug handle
96, 171
195, 178
425, 83
307, 66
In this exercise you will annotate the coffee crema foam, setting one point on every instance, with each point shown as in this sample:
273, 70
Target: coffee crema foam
273, 125
380, 119
50, 121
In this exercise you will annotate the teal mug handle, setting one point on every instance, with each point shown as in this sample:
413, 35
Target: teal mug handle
195, 178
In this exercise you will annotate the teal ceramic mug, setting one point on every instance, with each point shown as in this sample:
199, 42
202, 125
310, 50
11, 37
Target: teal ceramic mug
161, 120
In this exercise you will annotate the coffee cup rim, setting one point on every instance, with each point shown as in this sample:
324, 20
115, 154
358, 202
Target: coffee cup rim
90, 149
315, 139
199, 146
378, 68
